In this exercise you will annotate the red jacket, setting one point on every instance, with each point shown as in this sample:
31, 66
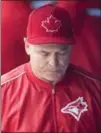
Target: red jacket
32, 105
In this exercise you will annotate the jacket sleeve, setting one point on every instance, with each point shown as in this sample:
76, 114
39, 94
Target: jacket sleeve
6, 103
94, 87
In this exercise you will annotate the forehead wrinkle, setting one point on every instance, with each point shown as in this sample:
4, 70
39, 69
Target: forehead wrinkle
49, 47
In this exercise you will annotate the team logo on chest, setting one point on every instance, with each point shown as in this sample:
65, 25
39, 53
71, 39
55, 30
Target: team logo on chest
75, 108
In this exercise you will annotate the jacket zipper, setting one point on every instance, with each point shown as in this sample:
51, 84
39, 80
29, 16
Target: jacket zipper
53, 90
54, 107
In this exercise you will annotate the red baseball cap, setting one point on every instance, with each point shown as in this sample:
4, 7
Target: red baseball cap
50, 24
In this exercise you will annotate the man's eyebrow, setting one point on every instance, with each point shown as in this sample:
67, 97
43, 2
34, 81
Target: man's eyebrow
64, 48
41, 50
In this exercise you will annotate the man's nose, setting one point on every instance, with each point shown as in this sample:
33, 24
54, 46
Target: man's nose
53, 60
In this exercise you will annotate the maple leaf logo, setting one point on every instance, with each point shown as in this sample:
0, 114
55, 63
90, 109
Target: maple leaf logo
52, 24
75, 108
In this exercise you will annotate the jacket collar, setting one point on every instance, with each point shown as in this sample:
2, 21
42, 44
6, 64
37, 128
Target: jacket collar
34, 79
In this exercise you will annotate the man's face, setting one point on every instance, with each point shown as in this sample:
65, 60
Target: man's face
49, 61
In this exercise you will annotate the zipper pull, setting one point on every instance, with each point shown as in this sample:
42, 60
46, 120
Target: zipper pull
53, 90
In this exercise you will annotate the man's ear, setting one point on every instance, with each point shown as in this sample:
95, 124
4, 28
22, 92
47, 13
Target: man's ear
70, 49
27, 46
25, 40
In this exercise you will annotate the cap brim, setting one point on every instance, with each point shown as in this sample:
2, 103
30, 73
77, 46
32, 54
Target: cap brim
46, 40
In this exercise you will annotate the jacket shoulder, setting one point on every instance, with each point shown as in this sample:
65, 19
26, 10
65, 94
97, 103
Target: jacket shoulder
13, 74
84, 73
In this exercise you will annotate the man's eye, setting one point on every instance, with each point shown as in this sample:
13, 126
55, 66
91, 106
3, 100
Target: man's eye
44, 53
63, 52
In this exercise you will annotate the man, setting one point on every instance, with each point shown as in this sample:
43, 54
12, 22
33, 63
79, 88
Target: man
49, 94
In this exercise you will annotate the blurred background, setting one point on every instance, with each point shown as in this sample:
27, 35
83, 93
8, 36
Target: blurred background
86, 21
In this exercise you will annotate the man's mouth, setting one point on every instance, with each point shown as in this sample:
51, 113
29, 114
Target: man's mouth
56, 71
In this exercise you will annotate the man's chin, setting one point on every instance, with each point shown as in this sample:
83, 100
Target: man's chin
53, 79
